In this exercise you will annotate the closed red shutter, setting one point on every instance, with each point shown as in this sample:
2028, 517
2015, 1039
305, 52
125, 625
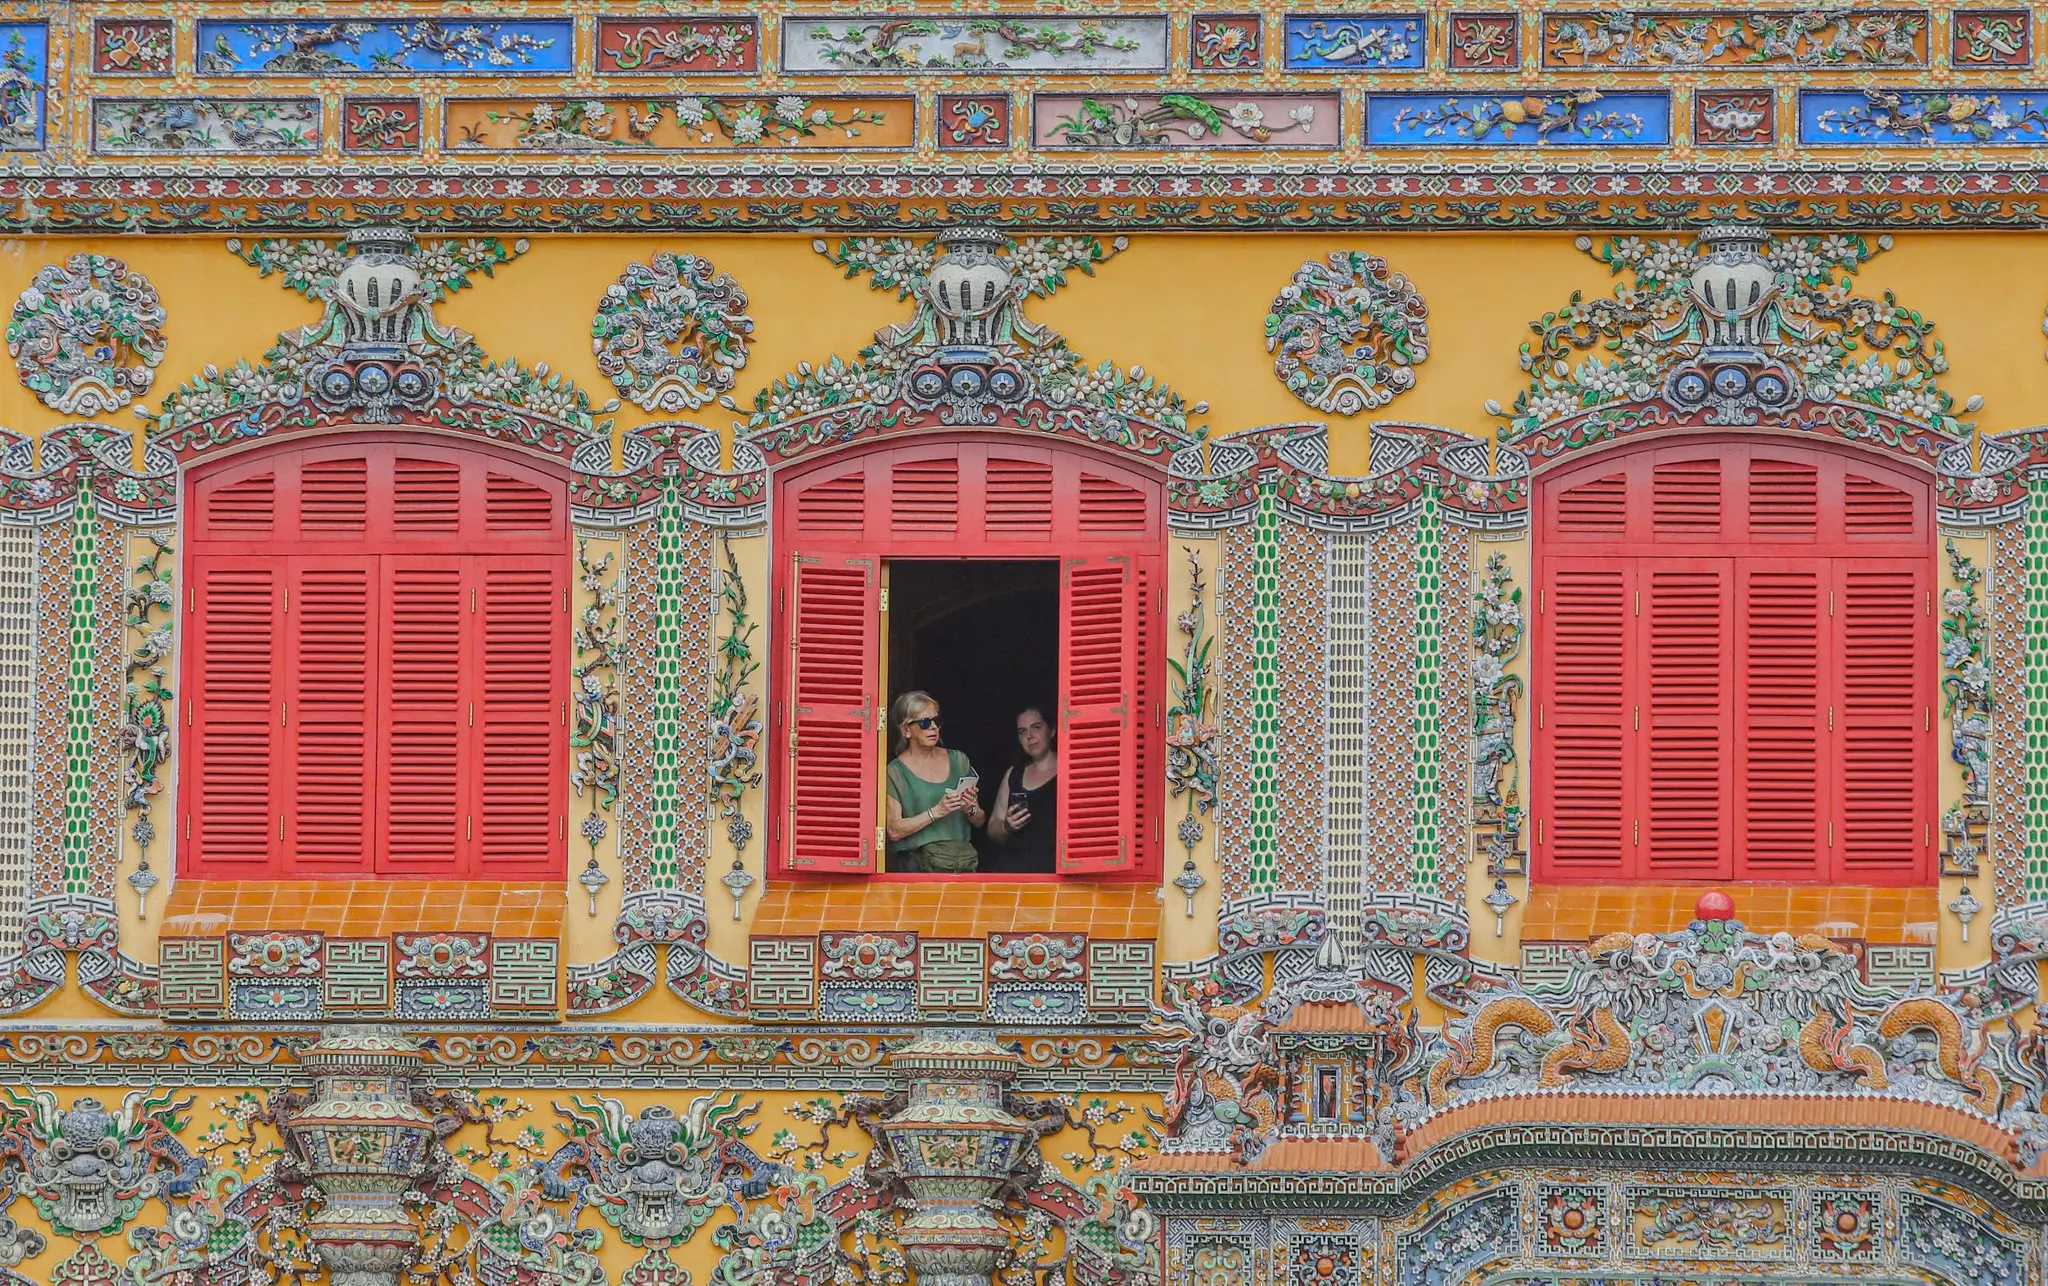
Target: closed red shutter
833, 770
1882, 710
1685, 743
425, 716
1147, 820
1098, 796
234, 696
1781, 719
330, 721
519, 716
1776, 675
413, 671
1586, 718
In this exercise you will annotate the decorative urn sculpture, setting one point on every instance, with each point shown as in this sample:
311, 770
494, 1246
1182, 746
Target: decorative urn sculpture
955, 1147
358, 1139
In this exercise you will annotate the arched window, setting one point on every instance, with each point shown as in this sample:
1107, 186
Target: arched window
1734, 676
1097, 524
374, 664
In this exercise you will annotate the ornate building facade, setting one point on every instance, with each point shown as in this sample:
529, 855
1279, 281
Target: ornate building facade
1527, 528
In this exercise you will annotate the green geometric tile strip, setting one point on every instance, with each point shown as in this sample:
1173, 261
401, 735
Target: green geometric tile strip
2034, 761
1429, 706
1262, 759
665, 709
78, 708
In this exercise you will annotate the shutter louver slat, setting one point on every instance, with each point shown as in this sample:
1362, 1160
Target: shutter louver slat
834, 760
516, 506
1874, 509
924, 498
1782, 720
1878, 654
334, 497
331, 727
1587, 724
1098, 752
1019, 498
1110, 507
424, 718
1784, 498
837, 506
235, 715
241, 510
1599, 507
1685, 499
1687, 753
517, 715
426, 496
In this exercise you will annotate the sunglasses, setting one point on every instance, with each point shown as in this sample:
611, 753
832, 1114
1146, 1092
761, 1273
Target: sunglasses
929, 721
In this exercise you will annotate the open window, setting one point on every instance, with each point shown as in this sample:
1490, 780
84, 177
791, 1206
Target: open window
373, 676
1734, 673
1043, 564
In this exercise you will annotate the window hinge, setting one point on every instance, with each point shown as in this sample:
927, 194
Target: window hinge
1539, 830
472, 598
188, 712
287, 595
565, 714
468, 826
1639, 602
1831, 602
881, 838
1927, 834
1637, 719
1928, 711
472, 714
885, 598
1831, 834
188, 826
562, 825
280, 828
1831, 718
1638, 830
1542, 602
1930, 602
284, 714
1539, 714
191, 599
565, 598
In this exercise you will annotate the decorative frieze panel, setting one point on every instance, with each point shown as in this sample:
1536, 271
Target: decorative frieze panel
962, 44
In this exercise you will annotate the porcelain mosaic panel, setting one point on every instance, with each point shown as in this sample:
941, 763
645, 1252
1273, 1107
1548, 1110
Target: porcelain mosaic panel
2009, 791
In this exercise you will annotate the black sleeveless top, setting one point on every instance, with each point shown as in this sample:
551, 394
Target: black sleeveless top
1028, 851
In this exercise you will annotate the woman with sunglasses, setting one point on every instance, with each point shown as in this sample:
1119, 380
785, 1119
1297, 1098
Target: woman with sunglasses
934, 793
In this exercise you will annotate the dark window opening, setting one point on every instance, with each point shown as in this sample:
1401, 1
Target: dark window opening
982, 637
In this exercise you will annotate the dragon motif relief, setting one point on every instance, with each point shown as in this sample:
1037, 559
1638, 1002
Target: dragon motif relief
656, 1177
1717, 1008
1968, 704
87, 1168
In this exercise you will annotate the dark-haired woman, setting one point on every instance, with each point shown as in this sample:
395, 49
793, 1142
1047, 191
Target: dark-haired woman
1026, 815
934, 794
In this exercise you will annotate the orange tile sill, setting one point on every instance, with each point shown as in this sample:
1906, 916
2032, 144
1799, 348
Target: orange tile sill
365, 908
1578, 912
960, 908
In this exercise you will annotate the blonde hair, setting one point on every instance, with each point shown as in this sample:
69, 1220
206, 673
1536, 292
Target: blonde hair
901, 711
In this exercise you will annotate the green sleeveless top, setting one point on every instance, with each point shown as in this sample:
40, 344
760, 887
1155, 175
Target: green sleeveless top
913, 795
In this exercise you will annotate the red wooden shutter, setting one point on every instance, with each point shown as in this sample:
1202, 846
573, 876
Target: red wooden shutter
834, 763
425, 717
1882, 711
1781, 719
328, 775
1586, 719
1147, 821
519, 695
1098, 797
1684, 747
234, 697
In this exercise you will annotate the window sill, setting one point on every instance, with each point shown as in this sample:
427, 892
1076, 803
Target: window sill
312, 950
1580, 912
